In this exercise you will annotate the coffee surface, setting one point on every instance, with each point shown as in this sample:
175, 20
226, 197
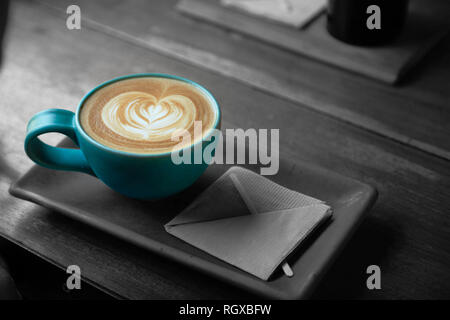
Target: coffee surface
140, 115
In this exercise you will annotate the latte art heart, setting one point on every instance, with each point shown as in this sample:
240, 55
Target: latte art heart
140, 116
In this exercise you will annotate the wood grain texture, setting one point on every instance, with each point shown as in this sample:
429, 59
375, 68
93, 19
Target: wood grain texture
415, 113
406, 234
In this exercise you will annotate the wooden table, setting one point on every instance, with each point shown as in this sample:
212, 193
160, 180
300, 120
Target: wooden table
321, 112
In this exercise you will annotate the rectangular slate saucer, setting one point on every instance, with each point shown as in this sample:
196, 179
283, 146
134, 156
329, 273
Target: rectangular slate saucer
88, 200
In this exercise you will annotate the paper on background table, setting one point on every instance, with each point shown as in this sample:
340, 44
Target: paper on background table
219, 222
296, 13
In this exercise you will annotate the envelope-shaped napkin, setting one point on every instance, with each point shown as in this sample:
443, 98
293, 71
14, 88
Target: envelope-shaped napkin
249, 221
296, 13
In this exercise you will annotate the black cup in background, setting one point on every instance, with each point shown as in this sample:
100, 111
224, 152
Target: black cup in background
347, 20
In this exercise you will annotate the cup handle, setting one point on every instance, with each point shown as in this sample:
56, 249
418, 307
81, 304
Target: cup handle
55, 120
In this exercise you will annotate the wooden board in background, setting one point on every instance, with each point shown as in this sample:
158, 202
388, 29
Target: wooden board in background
424, 28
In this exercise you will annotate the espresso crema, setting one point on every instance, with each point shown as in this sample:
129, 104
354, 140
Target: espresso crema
141, 114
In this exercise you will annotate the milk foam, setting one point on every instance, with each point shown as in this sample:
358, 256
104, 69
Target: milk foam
140, 115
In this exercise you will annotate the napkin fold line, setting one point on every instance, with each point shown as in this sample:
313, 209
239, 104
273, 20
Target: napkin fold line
284, 211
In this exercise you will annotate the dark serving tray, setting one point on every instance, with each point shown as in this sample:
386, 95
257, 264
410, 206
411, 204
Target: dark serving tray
88, 200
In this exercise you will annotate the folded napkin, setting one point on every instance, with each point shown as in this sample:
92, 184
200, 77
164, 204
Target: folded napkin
248, 221
296, 13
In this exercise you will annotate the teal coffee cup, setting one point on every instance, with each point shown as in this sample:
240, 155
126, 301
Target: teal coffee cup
136, 175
